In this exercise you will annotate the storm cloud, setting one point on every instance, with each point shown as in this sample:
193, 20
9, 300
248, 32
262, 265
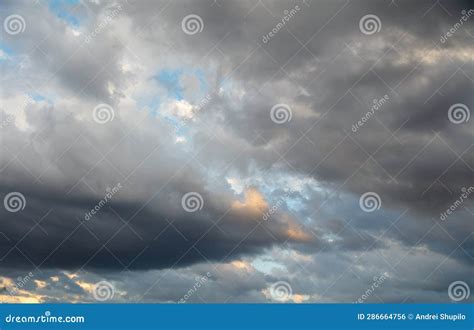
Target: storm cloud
151, 142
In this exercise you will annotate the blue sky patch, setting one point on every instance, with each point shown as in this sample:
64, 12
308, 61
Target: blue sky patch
63, 9
7, 50
170, 79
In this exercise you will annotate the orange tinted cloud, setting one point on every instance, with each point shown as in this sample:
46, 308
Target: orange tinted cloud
254, 203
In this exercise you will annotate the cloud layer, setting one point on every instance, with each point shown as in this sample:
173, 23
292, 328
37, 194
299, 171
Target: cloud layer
150, 143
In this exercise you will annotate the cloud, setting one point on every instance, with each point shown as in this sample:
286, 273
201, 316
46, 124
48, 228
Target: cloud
192, 113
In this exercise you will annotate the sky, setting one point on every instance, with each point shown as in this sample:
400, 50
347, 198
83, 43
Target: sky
236, 151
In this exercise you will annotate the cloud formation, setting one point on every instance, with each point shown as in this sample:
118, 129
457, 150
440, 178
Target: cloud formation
275, 117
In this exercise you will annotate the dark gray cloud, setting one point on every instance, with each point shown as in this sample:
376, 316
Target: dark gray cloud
218, 87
